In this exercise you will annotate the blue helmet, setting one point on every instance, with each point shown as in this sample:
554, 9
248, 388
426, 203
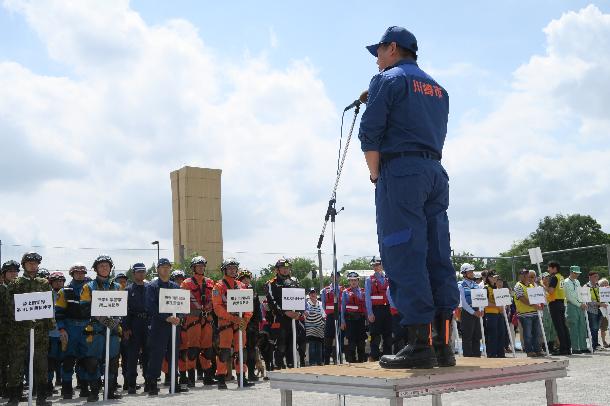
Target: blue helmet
163, 261
138, 267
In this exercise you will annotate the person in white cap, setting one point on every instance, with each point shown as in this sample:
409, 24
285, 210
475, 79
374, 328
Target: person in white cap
471, 326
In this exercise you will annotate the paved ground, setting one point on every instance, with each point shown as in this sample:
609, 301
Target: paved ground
588, 382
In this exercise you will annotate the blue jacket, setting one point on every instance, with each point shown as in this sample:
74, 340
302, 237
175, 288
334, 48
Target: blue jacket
136, 303
152, 300
406, 110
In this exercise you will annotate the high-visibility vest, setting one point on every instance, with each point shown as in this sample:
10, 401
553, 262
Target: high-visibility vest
354, 304
522, 308
560, 292
379, 291
491, 309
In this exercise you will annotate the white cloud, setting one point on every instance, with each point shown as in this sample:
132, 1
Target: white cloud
91, 152
146, 100
544, 149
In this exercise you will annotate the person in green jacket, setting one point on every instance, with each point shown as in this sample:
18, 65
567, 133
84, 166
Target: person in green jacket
575, 313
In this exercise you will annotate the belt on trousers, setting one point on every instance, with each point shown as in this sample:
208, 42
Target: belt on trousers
421, 154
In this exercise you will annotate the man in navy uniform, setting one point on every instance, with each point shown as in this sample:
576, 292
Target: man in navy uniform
135, 325
402, 133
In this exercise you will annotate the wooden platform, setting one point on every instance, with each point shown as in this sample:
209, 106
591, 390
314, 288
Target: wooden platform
369, 379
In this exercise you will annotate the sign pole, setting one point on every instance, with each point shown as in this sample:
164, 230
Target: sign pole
510, 335
590, 337
456, 335
241, 355
173, 373
546, 345
294, 344
106, 366
31, 367
482, 309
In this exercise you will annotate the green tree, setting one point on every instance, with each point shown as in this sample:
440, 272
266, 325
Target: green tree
559, 233
358, 263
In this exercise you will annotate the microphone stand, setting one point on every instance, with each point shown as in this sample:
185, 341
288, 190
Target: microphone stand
331, 214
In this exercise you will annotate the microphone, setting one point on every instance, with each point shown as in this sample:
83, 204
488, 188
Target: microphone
362, 99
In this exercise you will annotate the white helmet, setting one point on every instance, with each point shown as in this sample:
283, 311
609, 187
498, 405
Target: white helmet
466, 267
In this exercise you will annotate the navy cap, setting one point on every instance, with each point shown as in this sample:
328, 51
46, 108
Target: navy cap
139, 267
400, 35
163, 261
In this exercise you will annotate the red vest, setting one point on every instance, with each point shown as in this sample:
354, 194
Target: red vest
329, 299
354, 305
379, 291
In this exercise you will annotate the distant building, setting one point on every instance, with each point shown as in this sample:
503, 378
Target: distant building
196, 207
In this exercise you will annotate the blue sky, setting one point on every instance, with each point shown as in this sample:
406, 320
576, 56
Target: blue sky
274, 76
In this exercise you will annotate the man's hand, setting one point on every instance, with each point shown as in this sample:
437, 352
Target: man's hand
173, 320
478, 313
583, 306
603, 305
371, 318
63, 336
343, 326
126, 334
292, 315
243, 323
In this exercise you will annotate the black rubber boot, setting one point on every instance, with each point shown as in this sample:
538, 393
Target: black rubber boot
441, 339
84, 389
41, 397
252, 371
94, 392
191, 378
208, 377
153, 390
13, 396
167, 380
418, 353
221, 382
112, 392
66, 390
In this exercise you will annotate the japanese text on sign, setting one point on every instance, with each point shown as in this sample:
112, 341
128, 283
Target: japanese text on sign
535, 255
479, 298
584, 294
33, 306
604, 294
293, 299
502, 297
536, 295
174, 301
109, 303
240, 300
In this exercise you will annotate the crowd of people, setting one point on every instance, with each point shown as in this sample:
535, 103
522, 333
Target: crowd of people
564, 315
357, 322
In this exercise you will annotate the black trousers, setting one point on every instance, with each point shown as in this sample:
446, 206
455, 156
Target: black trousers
471, 335
381, 329
558, 314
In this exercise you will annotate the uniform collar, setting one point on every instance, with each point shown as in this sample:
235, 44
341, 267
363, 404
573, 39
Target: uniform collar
401, 62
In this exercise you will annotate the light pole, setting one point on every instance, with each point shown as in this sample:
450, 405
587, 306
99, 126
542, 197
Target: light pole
157, 244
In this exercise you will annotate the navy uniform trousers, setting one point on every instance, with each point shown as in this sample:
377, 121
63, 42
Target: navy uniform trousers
411, 198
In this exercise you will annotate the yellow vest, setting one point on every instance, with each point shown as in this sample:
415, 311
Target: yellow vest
560, 292
522, 308
491, 309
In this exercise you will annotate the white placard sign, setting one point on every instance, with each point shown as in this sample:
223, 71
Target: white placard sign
240, 300
536, 295
293, 299
174, 301
109, 303
502, 297
584, 294
535, 255
33, 306
604, 294
479, 298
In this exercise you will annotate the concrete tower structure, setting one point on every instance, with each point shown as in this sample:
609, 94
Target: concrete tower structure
196, 207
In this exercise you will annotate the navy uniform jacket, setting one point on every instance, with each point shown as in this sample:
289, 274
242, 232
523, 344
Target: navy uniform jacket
406, 110
136, 303
152, 301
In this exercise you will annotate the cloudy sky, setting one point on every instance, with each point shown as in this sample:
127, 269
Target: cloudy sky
100, 100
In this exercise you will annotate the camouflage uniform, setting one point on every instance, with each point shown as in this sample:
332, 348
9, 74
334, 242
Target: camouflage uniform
18, 340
